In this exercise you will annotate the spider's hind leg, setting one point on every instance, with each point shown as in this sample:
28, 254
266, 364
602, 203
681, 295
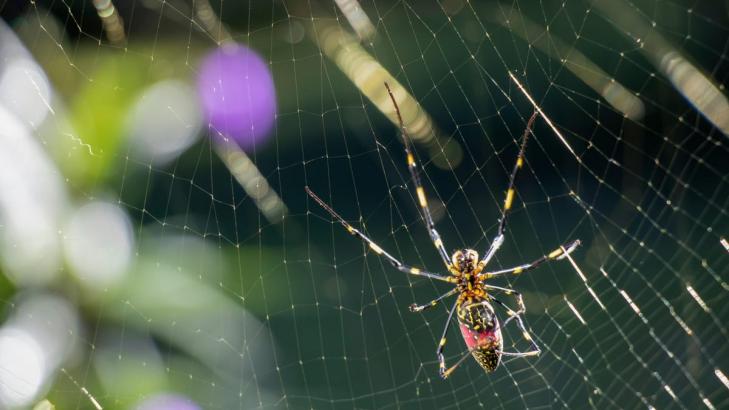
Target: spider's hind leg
441, 345
525, 333
510, 292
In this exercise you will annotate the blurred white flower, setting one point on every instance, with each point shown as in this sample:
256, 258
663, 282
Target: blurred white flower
39, 337
23, 368
98, 244
32, 197
165, 121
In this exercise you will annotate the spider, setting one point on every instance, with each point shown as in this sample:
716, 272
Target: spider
477, 319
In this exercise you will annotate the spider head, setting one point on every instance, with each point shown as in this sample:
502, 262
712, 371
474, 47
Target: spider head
465, 260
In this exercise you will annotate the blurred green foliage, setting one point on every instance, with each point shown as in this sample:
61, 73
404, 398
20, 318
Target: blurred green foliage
98, 114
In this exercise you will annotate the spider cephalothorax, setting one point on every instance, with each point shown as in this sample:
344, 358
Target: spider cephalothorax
474, 307
464, 261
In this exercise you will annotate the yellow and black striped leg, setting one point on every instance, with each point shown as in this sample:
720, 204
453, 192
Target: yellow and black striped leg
375, 247
419, 190
419, 308
442, 343
512, 314
510, 192
556, 254
510, 292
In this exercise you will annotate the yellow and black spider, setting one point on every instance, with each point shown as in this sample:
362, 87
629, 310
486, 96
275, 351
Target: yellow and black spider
477, 319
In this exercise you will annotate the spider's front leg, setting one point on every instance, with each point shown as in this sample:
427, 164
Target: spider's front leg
419, 190
375, 247
556, 254
510, 192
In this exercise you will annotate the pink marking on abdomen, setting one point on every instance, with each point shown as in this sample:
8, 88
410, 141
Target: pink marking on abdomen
484, 338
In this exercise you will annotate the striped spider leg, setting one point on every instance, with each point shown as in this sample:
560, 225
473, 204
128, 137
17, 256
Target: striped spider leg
419, 190
557, 254
419, 308
509, 200
516, 315
375, 247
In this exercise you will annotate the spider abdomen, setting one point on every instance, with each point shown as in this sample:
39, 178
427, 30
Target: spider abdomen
482, 333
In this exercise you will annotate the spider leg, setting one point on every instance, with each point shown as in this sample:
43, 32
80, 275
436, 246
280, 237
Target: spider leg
445, 374
517, 314
442, 343
519, 301
509, 200
556, 254
375, 247
432, 303
420, 191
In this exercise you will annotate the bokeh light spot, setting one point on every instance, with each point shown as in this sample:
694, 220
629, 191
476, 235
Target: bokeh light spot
25, 91
99, 244
165, 121
22, 367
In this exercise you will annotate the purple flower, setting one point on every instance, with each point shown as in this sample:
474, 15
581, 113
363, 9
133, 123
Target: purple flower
238, 95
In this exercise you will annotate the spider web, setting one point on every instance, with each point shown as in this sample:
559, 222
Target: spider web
227, 303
